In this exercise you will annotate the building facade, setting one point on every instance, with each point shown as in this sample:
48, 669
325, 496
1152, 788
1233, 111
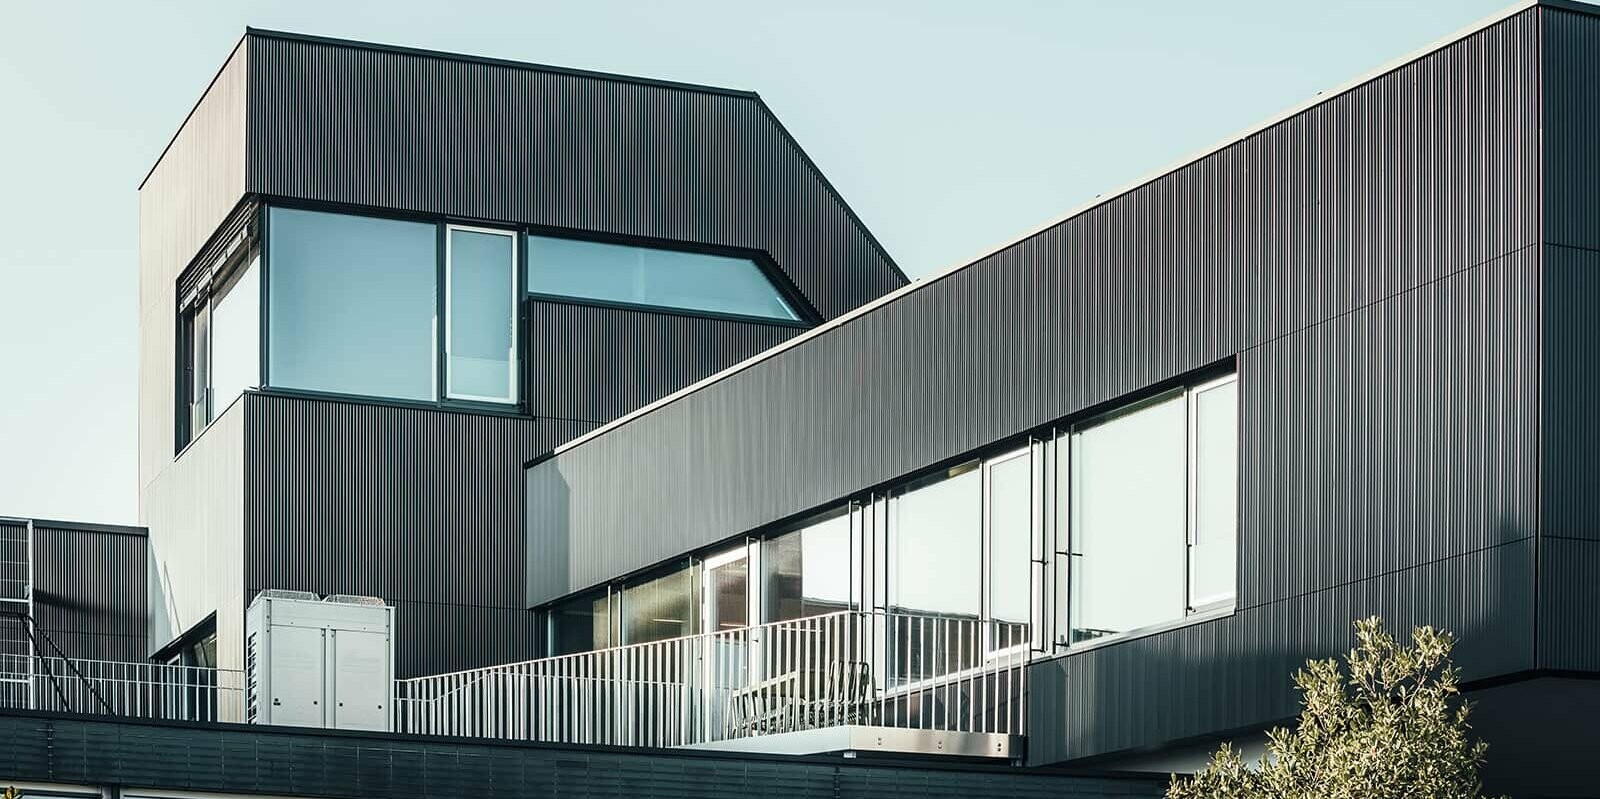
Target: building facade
650, 446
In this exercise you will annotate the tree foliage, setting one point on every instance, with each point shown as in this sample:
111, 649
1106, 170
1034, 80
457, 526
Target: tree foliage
1393, 727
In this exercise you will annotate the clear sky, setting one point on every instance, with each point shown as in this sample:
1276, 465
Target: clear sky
949, 127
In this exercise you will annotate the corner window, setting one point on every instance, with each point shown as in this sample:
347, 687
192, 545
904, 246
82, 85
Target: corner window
653, 277
219, 346
481, 314
352, 304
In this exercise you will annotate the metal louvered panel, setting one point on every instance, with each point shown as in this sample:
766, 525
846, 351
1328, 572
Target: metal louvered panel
291, 761
430, 132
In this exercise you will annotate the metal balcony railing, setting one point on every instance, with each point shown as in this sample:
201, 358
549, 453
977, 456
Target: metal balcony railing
137, 690
882, 669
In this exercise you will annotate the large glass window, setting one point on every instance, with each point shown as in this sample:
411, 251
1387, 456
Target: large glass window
583, 624
662, 608
352, 303
808, 571
1129, 497
936, 545
654, 277
236, 338
480, 307
1214, 531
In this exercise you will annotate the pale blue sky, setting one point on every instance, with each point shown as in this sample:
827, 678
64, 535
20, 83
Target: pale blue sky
947, 126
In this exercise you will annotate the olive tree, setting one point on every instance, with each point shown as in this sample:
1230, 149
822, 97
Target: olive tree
1392, 727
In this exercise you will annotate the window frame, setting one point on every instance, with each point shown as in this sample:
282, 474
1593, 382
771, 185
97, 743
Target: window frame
1186, 389
1192, 504
991, 649
215, 282
518, 264
806, 316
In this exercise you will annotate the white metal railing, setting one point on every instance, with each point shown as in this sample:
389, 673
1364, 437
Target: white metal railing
850, 667
138, 690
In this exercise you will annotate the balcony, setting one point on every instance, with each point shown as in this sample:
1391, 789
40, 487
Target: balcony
847, 682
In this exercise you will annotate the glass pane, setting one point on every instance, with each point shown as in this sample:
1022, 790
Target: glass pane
1212, 559
729, 595
581, 625
648, 276
936, 547
808, 570
236, 339
482, 314
662, 608
352, 304
1009, 539
1128, 521
199, 368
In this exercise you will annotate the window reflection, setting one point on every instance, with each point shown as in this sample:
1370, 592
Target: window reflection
582, 625
662, 608
650, 276
482, 315
808, 570
936, 545
1213, 567
352, 304
1128, 521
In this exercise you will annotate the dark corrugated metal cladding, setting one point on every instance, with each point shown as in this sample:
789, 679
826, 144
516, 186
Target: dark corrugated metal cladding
1569, 556
1245, 251
420, 507
595, 364
449, 136
1372, 265
90, 591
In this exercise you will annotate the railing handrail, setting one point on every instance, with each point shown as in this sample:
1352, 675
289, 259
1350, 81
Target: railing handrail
681, 640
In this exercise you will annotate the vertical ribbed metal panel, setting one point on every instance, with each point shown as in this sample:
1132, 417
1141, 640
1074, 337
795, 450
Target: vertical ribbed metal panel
596, 364
421, 507
428, 132
1213, 260
89, 589
1372, 267
1569, 558
1571, 74
190, 191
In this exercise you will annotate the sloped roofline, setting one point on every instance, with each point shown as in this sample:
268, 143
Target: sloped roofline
1100, 199
529, 66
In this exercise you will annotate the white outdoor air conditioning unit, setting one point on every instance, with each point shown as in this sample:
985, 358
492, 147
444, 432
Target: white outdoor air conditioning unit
313, 662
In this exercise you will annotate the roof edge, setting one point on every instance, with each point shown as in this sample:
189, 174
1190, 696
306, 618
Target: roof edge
1099, 199
445, 55
193, 108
